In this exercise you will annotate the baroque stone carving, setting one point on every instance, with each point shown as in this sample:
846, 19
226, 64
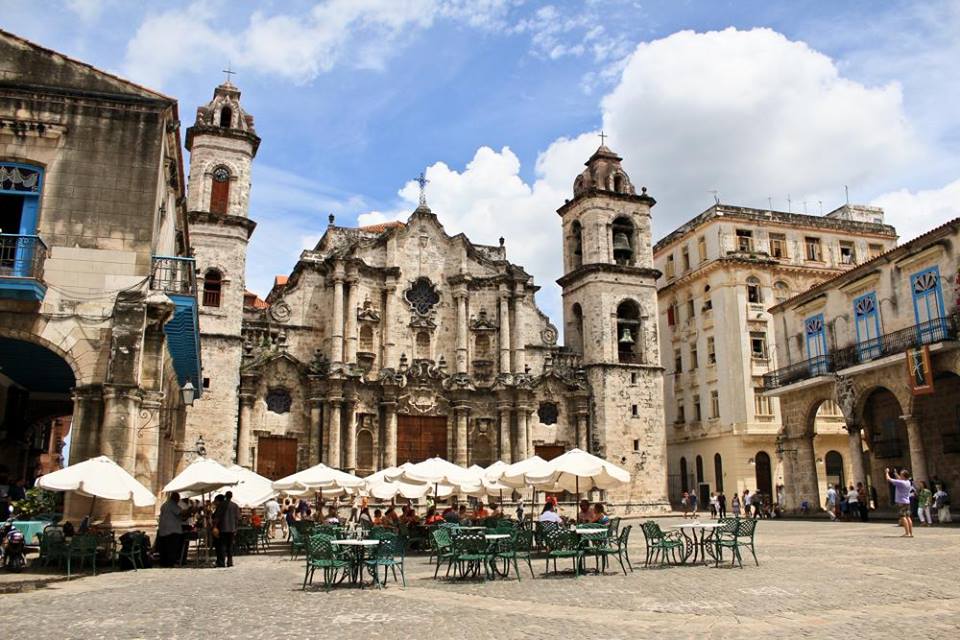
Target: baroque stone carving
548, 413
483, 322
367, 312
280, 311
845, 397
422, 296
549, 335
279, 401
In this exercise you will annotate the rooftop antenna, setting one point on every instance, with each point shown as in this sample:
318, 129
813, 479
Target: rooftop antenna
229, 71
820, 202
770, 203
789, 203
716, 196
846, 191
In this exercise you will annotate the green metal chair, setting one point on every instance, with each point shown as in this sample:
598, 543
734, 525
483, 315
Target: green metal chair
561, 543
659, 543
519, 547
614, 526
53, 546
595, 544
298, 543
617, 546
441, 547
469, 554
746, 536
726, 537
83, 548
389, 554
321, 553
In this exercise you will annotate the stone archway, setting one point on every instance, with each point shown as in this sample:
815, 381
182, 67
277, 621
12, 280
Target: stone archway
885, 434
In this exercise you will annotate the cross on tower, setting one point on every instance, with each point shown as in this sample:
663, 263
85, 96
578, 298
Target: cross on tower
229, 72
603, 137
423, 182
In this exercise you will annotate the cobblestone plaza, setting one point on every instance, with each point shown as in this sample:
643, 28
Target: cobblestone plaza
815, 579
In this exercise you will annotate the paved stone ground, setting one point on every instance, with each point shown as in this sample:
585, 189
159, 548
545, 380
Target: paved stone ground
815, 579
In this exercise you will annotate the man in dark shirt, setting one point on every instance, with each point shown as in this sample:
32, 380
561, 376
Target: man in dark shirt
226, 517
721, 505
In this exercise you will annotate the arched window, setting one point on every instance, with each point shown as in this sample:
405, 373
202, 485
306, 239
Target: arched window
718, 471
576, 242
699, 464
226, 117
575, 340
628, 331
423, 346
622, 230
707, 300
781, 291
212, 288
618, 183
833, 462
220, 190
684, 482
754, 294
366, 338
365, 450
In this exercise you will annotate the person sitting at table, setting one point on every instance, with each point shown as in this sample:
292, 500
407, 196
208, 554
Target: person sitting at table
377, 518
549, 513
364, 517
599, 514
391, 519
480, 513
585, 514
433, 518
450, 514
462, 514
332, 517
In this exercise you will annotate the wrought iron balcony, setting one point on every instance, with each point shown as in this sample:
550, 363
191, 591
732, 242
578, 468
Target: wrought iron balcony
174, 275
804, 370
21, 267
895, 343
889, 344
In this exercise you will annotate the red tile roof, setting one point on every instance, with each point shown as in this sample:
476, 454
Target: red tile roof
382, 226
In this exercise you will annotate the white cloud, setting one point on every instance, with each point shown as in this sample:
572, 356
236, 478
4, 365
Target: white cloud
916, 212
296, 46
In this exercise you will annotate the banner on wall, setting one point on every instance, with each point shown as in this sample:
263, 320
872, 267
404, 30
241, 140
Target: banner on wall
919, 371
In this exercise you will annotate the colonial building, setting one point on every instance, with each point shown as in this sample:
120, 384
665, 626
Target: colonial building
881, 341
398, 342
97, 305
720, 273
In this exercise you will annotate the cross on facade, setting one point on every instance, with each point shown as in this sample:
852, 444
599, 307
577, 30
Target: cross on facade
423, 182
603, 137
229, 72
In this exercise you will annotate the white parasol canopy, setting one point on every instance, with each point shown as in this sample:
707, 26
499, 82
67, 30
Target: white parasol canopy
495, 470
203, 475
252, 490
380, 486
98, 477
436, 471
577, 471
327, 480
518, 474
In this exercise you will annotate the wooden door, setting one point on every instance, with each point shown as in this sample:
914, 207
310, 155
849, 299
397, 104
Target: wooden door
421, 437
764, 473
549, 451
276, 456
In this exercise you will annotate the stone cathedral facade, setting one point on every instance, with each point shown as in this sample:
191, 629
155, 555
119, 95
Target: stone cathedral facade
398, 342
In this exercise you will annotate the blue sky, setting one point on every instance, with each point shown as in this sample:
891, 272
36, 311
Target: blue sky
500, 101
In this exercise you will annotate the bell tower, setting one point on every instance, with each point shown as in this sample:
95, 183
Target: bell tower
222, 143
610, 316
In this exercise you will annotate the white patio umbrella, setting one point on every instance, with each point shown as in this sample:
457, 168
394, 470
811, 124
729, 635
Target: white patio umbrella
576, 471
495, 470
98, 477
327, 481
203, 475
517, 474
435, 471
252, 490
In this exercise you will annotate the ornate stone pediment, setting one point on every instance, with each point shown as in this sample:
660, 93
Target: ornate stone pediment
459, 382
483, 322
422, 322
368, 313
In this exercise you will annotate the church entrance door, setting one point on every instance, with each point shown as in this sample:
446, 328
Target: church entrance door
276, 456
549, 451
421, 437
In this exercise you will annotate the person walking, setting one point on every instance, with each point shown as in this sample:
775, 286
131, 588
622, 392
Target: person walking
853, 503
721, 505
831, 503
863, 502
901, 497
942, 502
924, 503
693, 504
226, 517
685, 504
735, 506
714, 505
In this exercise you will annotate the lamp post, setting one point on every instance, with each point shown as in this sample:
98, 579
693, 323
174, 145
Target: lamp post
188, 394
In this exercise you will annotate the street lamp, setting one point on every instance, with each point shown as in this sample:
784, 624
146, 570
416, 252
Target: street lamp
188, 394
199, 448
780, 448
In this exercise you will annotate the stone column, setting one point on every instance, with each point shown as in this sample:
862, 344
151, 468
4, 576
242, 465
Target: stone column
333, 441
462, 411
856, 455
461, 297
504, 331
523, 431
351, 437
245, 429
386, 339
118, 439
336, 334
805, 481
516, 336
85, 425
506, 450
316, 431
390, 432
582, 439
918, 457
350, 352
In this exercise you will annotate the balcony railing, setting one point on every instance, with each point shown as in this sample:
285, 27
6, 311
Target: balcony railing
22, 256
889, 344
174, 275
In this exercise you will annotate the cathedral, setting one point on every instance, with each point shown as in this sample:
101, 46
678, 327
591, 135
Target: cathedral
398, 342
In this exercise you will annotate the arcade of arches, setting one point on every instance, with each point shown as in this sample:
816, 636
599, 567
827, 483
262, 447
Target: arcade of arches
886, 426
